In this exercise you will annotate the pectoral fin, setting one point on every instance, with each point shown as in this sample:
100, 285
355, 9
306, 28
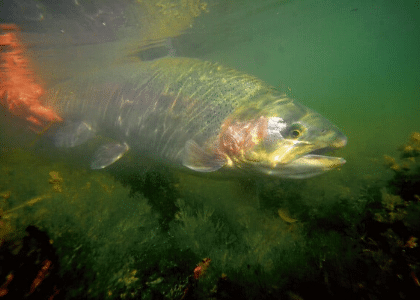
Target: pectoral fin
73, 134
199, 160
108, 154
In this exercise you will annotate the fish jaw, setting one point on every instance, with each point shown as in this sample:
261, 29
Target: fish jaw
291, 159
304, 167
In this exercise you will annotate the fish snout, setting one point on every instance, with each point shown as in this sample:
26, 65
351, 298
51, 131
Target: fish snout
340, 141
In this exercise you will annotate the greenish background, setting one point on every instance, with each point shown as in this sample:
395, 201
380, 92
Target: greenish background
132, 232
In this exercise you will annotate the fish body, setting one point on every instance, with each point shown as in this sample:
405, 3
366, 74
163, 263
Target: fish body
194, 114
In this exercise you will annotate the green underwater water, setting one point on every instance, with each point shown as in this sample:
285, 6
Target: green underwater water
124, 233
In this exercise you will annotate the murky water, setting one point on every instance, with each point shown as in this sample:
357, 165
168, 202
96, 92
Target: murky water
142, 231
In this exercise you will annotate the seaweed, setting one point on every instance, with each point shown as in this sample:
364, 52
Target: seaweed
164, 235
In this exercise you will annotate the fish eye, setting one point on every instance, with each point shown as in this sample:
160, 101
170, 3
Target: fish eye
296, 131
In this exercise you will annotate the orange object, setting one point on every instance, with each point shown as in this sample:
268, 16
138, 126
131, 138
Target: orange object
19, 90
56, 291
40, 276
3, 288
411, 243
201, 268
416, 280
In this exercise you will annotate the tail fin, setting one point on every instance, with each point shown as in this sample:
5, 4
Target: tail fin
43, 44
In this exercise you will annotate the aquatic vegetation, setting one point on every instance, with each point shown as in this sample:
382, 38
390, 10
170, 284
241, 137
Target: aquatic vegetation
157, 236
87, 216
390, 238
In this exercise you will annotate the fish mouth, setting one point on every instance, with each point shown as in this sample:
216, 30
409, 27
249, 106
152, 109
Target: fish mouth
300, 159
308, 165
313, 163
323, 158
340, 142
322, 151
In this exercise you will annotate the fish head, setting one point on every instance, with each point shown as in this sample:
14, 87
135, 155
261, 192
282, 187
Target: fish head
280, 137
